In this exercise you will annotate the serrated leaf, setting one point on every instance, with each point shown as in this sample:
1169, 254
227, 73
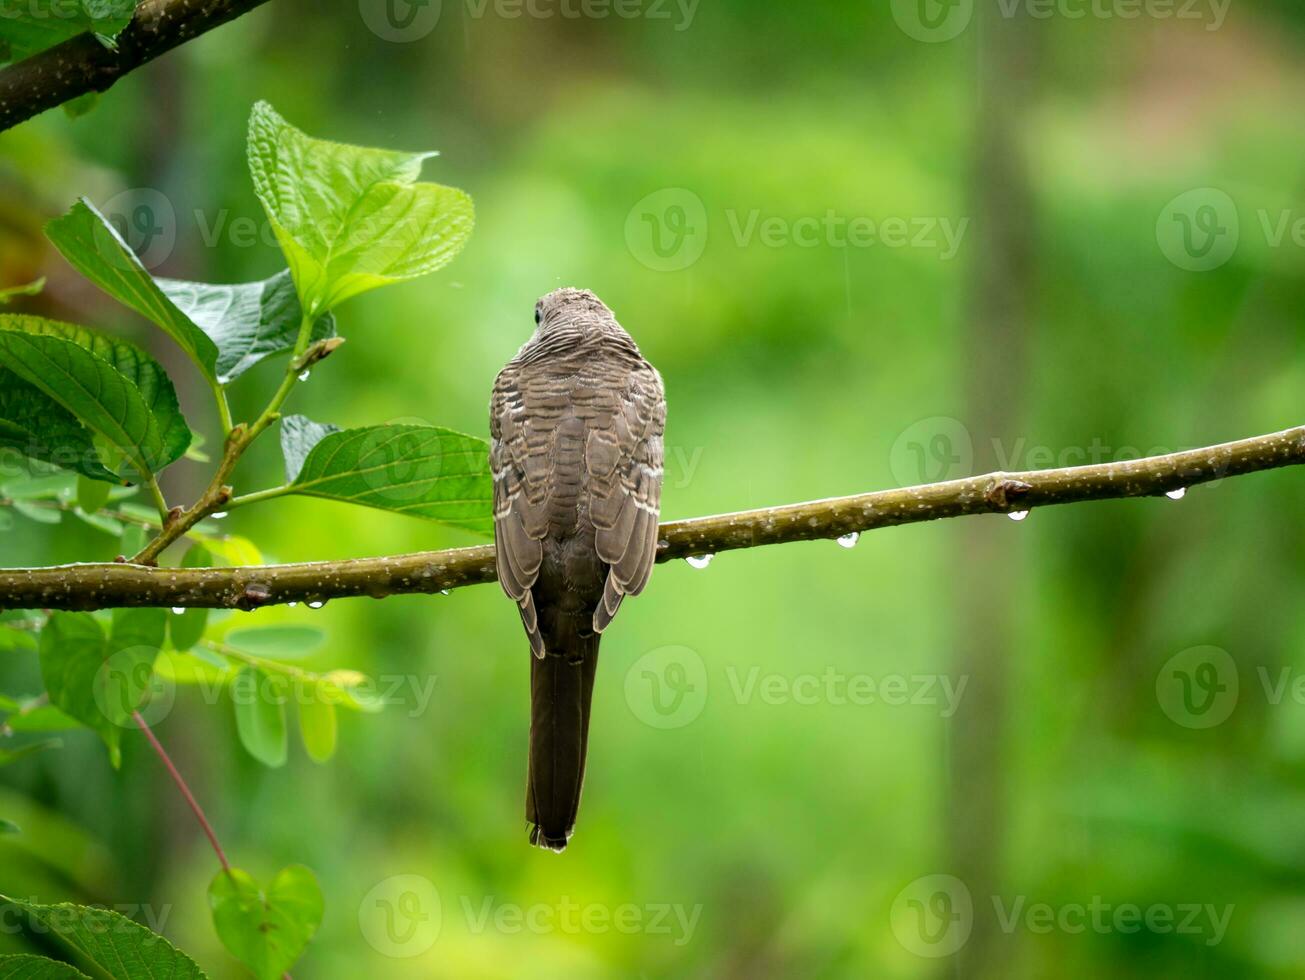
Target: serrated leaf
267, 929
299, 434
112, 387
319, 727
35, 25
248, 322
422, 471
260, 699
277, 642
94, 248
9, 756
25, 967
101, 680
35, 425
350, 218
117, 947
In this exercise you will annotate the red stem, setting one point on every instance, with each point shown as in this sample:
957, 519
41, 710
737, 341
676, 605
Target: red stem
185, 790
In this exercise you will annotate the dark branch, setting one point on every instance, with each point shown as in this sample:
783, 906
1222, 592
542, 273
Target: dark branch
102, 586
82, 64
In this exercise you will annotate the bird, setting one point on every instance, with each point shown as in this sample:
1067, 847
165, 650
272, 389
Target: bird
577, 420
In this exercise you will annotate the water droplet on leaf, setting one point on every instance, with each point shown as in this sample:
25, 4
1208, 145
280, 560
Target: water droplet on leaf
700, 561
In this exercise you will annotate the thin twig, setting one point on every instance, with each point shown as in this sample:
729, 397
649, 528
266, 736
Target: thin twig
106, 586
185, 790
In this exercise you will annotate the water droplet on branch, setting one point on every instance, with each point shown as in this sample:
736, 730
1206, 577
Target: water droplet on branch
699, 561
303, 375
316, 603
218, 515
850, 540
1018, 515
178, 610
1178, 494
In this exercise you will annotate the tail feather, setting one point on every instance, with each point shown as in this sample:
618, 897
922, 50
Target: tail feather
561, 692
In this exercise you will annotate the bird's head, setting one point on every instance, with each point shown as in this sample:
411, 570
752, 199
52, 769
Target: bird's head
569, 308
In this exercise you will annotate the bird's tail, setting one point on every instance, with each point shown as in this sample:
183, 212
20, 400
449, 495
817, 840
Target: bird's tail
561, 691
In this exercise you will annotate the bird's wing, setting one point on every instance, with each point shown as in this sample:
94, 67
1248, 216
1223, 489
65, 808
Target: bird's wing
519, 465
624, 463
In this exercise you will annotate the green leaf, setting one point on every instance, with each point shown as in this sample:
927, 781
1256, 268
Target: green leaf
9, 756
35, 512
248, 322
424, 471
11, 293
34, 25
9, 828
11, 639
133, 540
260, 715
349, 218
267, 929
46, 718
101, 680
299, 434
186, 628
117, 947
111, 386
35, 967
277, 642
318, 726
94, 248
350, 689
92, 494
35, 425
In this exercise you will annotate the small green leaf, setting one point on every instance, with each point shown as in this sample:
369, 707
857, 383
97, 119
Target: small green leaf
25, 967
277, 642
267, 929
350, 689
186, 628
423, 471
260, 715
133, 540
92, 495
112, 387
9, 756
299, 434
94, 248
248, 322
11, 293
318, 726
101, 680
349, 218
34, 25
117, 947
12, 639
35, 512
100, 522
44, 719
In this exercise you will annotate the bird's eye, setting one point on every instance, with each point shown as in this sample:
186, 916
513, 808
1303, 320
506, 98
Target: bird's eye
537, 317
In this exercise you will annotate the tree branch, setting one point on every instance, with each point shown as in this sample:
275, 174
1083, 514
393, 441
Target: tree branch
82, 64
98, 586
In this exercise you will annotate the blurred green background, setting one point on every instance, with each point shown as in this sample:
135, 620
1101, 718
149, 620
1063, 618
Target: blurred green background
788, 814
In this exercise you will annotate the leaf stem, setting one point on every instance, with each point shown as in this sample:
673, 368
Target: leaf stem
223, 407
270, 493
152, 484
189, 797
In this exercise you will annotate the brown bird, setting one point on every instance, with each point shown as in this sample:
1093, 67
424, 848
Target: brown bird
577, 419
